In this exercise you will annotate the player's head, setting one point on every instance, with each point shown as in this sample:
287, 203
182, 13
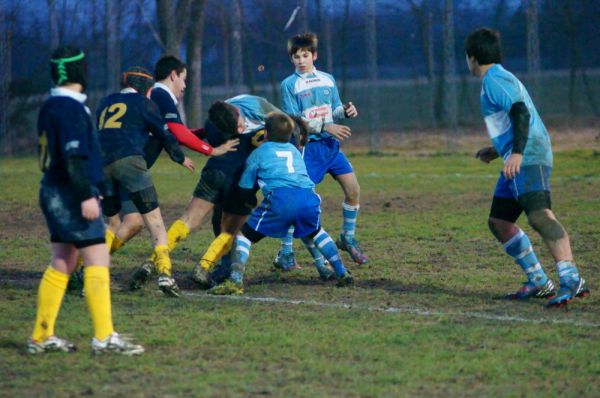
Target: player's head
138, 78
279, 127
300, 132
172, 72
226, 118
482, 47
68, 65
303, 51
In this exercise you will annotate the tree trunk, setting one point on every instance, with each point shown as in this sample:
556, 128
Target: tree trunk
371, 54
304, 24
53, 25
236, 35
172, 18
448, 55
344, 46
113, 50
194, 59
533, 47
225, 36
6, 73
268, 51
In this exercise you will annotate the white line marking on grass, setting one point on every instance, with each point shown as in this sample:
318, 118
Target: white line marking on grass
399, 310
593, 177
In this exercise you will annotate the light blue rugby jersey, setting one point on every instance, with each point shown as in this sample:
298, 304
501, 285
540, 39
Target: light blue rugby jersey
315, 97
275, 165
499, 91
254, 109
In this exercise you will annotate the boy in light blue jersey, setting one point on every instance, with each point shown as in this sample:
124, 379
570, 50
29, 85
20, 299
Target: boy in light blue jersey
519, 136
314, 96
277, 168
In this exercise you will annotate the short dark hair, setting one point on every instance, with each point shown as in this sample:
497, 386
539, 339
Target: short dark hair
68, 65
304, 41
224, 116
300, 132
138, 78
484, 45
279, 127
167, 64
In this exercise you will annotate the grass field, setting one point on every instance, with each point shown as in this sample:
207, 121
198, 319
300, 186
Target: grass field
426, 317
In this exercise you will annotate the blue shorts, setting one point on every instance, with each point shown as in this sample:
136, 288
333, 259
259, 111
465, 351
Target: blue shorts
284, 207
324, 156
64, 219
535, 178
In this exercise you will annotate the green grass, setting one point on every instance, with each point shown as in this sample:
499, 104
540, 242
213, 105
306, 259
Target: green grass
434, 266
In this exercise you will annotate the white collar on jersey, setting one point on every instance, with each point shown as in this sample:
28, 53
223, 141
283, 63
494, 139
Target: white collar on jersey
167, 89
305, 75
65, 92
128, 90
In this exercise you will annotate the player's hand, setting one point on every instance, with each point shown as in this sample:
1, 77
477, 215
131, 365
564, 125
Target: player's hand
350, 110
339, 131
487, 154
512, 167
90, 209
229, 146
188, 164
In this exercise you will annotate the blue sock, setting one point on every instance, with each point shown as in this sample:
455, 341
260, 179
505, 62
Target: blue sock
567, 272
319, 260
349, 213
329, 250
519, 247
239, 258
287, 242
222, 270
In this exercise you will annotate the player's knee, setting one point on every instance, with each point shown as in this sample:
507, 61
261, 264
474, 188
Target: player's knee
111, 206
352, 193
145, 200
544, 222
501, 229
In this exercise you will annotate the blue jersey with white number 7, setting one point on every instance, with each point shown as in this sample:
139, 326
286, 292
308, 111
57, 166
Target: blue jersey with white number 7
275, 165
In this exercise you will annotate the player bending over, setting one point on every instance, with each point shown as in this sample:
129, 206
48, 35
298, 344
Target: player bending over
519, 136
69, 197
289, 201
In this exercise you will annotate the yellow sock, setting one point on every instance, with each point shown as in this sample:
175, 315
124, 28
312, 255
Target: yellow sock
221, 245
96, 282
162, 261
109, 237
117, 243
50, 294
176, 233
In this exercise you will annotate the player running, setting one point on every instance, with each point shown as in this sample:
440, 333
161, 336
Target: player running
519, 136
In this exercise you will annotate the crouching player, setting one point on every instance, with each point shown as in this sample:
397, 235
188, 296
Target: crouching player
289, 200
519, 136
72, 165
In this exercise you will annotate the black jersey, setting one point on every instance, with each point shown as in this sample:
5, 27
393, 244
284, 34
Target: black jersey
65, 130
125, 123
169, 112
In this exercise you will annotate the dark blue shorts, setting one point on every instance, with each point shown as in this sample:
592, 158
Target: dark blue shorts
284, 207
324, 156
64, 219
534, 178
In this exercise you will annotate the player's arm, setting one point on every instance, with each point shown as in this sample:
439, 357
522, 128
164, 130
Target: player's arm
248, 180
519, 116
289, 104
187, 138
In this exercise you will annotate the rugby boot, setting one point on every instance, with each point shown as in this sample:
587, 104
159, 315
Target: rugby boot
141, 275
201, 276
353, 249
285, 262
168, 285
345, 280
117, 344
531, 290
228, 288
51, 344
568, 291
220, 273
326, 273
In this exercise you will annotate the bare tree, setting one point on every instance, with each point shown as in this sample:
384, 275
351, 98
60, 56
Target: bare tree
173, 17
113, 51
267, 29
533, 46
236, 35
6, 73
53, 25
344, 46
371, 54
304, 23
194, 59
325, 24
448, 55
225, 37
